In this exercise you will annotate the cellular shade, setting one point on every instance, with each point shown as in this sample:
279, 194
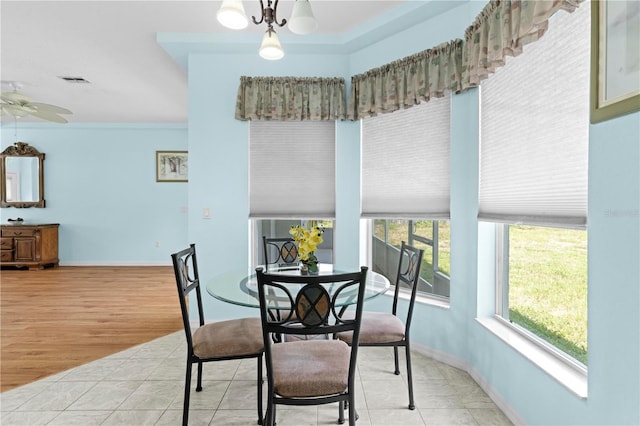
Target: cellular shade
405, 162
292, 169
535, 130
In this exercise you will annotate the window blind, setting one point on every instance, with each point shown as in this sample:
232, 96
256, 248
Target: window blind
535, 130
292, 169
405, 162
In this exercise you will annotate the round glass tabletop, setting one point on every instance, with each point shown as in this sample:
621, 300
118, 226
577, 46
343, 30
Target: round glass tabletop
241, 287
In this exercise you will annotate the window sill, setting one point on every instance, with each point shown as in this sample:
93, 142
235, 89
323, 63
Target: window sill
421, 299
571, 376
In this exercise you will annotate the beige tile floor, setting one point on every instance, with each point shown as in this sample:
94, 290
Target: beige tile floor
144, 386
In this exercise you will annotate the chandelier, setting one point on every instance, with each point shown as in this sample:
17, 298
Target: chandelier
231, 14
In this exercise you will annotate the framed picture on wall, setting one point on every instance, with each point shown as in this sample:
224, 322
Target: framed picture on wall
615, 59
172, 166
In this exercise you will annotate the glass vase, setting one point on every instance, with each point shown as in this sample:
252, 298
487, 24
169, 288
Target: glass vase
309, 267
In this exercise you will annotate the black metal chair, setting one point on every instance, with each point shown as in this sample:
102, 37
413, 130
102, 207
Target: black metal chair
310, 372
387, 329
219, 341
280, 251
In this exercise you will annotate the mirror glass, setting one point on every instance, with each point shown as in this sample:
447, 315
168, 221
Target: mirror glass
22, 174
22, 178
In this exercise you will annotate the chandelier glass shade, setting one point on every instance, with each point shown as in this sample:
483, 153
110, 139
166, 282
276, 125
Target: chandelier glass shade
302, 20
271, 48
232, 15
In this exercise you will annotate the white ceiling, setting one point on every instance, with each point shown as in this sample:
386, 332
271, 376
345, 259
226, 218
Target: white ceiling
112, 44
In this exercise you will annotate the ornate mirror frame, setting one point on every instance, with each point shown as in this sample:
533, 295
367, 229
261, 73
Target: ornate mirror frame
21, 149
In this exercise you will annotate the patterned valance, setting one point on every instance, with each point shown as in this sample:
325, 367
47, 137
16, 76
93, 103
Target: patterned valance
291, 99
405, 82
503, 28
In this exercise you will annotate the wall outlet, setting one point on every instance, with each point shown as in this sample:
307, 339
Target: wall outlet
157, 244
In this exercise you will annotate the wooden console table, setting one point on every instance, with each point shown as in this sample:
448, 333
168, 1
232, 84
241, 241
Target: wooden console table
32, 246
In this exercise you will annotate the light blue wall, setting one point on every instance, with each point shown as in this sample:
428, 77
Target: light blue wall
347, 225
614, 271
100, 187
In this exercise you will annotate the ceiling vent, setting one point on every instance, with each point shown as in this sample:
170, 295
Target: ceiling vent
72, 79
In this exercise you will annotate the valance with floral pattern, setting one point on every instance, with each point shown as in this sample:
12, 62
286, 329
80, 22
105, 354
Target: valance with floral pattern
405, 82
503, 28
291, 99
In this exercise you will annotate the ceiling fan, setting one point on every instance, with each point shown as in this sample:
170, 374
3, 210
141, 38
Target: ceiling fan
18, 105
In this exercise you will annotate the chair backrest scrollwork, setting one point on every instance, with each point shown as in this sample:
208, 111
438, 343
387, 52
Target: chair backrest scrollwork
280, 251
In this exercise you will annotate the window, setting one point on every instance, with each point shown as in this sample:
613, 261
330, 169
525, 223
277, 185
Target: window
533, 184
432, 236
544, 288
278, 228
288, 159
405, 189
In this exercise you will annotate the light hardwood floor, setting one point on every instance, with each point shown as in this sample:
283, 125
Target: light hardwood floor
55, 319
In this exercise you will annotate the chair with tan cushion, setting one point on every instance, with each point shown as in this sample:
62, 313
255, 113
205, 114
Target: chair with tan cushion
218, 341
280, 251
310, 372
387, 329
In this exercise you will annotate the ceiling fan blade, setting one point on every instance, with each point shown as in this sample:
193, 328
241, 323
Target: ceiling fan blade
49, 116
42, 107
14, 98
15, 110
19, 105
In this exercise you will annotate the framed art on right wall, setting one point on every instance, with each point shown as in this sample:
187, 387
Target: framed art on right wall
615, 58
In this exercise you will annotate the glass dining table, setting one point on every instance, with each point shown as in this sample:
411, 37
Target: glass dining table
241, 287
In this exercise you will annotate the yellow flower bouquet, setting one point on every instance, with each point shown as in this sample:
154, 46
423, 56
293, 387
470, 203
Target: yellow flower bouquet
308, 241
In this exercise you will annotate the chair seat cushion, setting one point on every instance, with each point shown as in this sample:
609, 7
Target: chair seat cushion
376, 327
310, 368
235, 337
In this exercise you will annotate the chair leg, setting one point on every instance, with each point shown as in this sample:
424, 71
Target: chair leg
199, 386
353, 416
341, 406
412, 405
395, 359
187, 393
270, 414
260, 418
346, 405
267, 417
